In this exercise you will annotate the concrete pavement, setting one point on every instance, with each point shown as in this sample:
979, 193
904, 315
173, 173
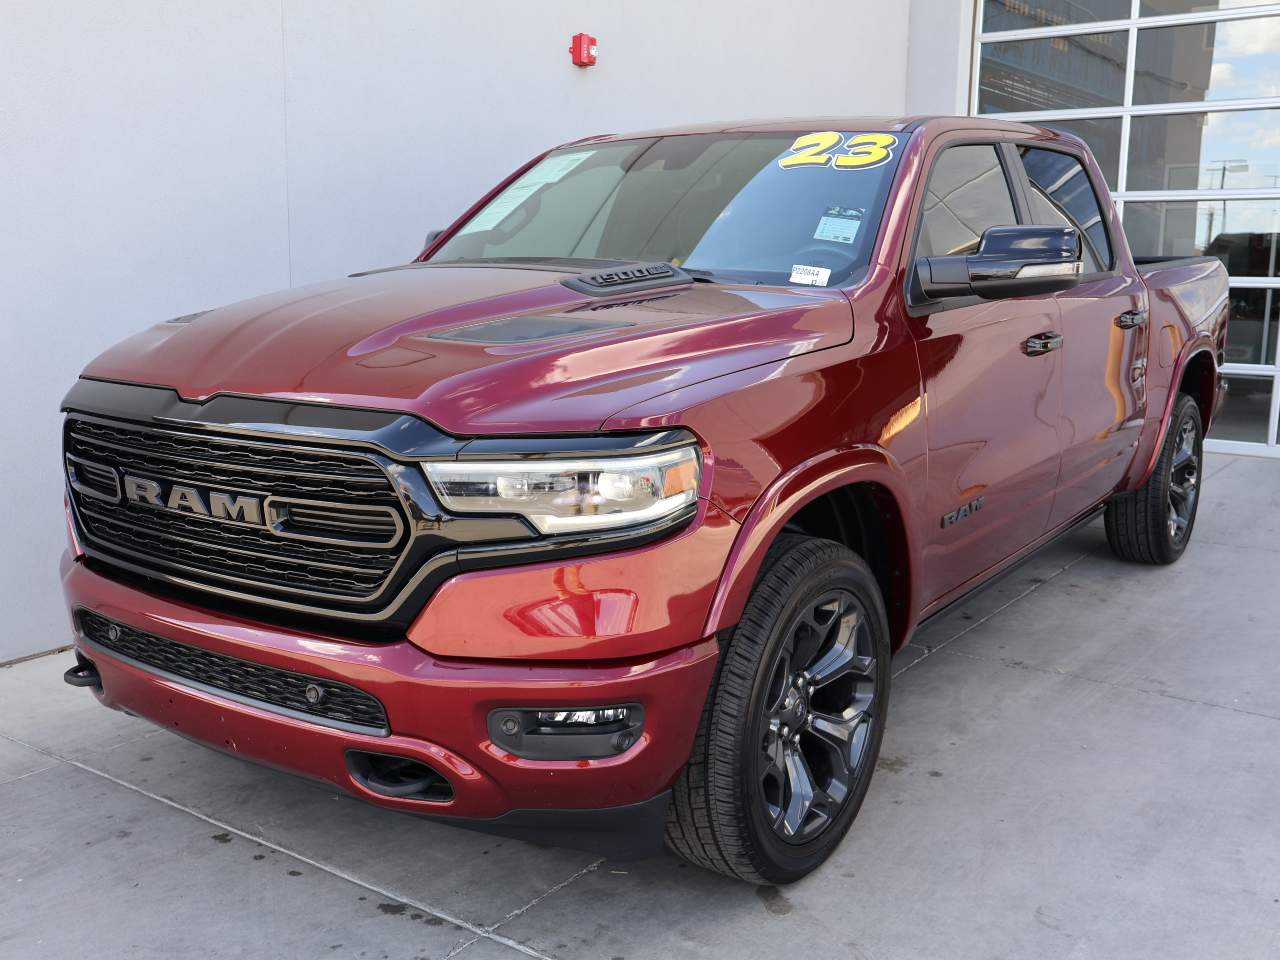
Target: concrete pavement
1081, 762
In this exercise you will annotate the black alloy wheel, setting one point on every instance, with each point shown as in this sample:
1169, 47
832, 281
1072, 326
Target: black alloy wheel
1184, 481
817, 719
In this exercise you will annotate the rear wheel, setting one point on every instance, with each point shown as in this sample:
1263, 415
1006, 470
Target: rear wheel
791, 730
1153, 523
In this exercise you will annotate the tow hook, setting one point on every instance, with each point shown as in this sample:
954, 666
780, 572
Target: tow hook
83, 674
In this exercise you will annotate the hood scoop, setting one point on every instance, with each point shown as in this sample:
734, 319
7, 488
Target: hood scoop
526, 329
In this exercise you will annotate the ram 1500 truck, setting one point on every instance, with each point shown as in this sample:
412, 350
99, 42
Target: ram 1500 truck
607, 512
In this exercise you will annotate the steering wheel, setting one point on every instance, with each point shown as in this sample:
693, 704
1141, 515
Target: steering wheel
821, 255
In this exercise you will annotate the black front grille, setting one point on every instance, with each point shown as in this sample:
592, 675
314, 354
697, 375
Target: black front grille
232, 464
331, 701
328, 527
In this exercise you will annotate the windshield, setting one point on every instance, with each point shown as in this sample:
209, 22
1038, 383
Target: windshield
756, 208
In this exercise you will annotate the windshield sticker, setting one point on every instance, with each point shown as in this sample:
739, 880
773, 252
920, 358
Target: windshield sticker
811, 276
553, 169
839, 224
861, 151
498, 210
550, 170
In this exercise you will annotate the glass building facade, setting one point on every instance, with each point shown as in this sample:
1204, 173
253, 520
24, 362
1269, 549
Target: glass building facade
1180, 102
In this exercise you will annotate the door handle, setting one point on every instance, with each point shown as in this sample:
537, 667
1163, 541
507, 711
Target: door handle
1041, 343
1130, 319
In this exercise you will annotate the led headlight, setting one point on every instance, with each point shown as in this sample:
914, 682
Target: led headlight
570, 495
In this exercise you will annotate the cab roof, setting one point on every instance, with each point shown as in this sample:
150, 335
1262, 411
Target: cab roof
935, 124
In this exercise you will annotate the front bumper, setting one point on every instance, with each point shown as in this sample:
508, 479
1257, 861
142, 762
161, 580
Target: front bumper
437, 708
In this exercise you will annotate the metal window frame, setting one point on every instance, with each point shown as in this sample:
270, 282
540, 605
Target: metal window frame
1126, 111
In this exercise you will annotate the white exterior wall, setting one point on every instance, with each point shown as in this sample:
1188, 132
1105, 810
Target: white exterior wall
938, 58
163, 156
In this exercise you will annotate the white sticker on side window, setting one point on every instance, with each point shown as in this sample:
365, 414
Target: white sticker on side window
813, 276
839, 224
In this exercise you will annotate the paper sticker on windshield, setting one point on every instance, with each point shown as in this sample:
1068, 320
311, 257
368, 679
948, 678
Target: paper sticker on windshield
553, 169
550, 170
861, 151
839, 224
813, 276
498, 210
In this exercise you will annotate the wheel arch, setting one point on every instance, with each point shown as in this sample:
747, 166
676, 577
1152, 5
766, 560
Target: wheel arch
1196, 374
857, 496
1199, 380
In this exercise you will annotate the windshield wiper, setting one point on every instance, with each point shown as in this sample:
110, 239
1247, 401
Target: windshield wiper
702, 276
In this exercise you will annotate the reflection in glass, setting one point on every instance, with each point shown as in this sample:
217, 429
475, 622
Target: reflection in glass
1207, 61
1061, 193
1028, 14
1247, 412
1053, 73
966, 195
1241, 233
1230, 150
1160, 8
1251, 335
1103, 138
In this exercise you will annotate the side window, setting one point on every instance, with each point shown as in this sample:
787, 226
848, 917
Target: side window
967, 193
1061, 193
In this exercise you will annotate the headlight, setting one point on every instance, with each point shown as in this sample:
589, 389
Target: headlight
564, 496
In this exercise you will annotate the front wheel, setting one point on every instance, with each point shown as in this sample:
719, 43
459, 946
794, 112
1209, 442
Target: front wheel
1153, 523
791, 730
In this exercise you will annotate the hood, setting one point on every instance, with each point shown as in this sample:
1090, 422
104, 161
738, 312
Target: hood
478, 349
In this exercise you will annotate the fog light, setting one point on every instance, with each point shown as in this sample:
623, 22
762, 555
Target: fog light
574, 733
582, 718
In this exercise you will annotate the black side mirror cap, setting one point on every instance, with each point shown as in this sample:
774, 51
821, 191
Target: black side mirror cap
1016, 261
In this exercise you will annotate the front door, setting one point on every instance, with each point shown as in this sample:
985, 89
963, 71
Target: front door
993, 392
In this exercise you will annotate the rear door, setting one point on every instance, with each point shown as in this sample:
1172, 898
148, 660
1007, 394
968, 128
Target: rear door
992, 408
1104, 336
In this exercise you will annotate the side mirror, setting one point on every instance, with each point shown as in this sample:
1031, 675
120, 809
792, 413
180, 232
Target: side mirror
1011, 262
432, 237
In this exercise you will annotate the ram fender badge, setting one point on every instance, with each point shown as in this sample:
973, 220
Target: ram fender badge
970, 508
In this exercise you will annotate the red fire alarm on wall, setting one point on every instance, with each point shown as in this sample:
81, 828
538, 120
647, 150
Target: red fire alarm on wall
583, 50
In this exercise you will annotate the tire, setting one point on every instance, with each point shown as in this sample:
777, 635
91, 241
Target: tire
801, 694
1153, 524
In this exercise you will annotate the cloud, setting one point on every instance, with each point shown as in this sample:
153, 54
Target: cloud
1247, 38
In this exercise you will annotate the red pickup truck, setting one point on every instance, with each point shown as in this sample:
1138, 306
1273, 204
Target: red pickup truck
608, 511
